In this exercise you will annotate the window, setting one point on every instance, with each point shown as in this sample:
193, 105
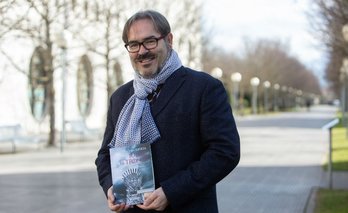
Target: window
38, 79
84, 86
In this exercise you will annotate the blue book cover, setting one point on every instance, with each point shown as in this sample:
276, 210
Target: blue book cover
132, 173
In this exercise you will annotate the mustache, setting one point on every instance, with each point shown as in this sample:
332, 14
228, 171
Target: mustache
147, 55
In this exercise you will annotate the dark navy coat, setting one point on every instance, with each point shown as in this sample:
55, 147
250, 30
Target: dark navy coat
199, 142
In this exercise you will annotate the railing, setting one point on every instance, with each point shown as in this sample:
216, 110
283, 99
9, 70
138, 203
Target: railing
329, 127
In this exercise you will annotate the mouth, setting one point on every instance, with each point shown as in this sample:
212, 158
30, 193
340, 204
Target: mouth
146, 58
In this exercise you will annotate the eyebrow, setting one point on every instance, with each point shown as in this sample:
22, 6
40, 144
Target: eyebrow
135, 41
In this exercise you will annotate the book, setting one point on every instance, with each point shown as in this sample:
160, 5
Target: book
132, 173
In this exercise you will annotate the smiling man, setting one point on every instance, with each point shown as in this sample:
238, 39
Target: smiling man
184, 115
147, 56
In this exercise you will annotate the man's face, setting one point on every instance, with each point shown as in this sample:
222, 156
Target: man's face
148, 62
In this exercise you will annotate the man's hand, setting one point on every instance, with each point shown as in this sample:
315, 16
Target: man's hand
112, 205
156, 200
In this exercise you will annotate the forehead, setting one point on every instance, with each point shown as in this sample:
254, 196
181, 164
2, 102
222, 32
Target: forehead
142, 29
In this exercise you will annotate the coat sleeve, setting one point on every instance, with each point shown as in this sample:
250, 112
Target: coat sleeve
117, 100
103, 159
220, 138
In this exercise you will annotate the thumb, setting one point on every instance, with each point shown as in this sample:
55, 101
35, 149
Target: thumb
111, 196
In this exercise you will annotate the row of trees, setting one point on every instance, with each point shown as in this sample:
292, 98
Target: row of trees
269, 60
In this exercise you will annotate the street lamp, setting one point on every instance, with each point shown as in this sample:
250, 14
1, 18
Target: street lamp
299, 101
291, 97
255, 81
284, 95
345, 32
276, 88
343, 91
236, 78
266, 86
62, 44
2, 76
343, 77
216, 72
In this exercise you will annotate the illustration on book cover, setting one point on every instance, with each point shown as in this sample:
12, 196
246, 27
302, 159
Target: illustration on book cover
132, 173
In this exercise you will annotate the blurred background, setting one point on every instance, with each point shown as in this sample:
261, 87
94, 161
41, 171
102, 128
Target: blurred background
60, 60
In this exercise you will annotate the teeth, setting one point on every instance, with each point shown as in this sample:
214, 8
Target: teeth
146, 60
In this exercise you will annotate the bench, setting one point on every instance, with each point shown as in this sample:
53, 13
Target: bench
13, 134
80, 127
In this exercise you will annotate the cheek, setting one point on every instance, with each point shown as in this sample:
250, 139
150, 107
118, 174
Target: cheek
132, 56
162, 57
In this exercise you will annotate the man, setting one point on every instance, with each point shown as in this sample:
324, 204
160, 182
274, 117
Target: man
184, 114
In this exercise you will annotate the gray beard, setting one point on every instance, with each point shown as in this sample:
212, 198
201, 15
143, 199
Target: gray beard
158, 70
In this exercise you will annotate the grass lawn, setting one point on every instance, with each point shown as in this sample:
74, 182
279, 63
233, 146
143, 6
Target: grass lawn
335, 201
339, 149
332, 201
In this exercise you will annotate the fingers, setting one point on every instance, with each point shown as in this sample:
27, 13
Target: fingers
149, 198
111, 203
157, 200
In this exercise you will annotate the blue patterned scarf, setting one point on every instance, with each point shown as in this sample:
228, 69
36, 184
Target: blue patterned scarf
135, 123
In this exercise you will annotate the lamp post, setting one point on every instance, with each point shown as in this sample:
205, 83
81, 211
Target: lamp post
343, 93
343, 78
236, 78
276, 88
284, 95
2, 76
61, 42
291, 97
299, 94
216, 72
266, 86
255, 81
345, 32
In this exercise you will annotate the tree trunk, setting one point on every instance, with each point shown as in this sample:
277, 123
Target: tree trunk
51, 108
51, 95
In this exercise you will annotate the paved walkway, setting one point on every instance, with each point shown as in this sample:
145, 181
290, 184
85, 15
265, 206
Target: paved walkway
76, 156
280, 165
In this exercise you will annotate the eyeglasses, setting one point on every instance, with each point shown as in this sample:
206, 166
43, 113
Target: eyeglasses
150, 43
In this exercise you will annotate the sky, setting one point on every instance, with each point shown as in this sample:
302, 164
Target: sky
286, 20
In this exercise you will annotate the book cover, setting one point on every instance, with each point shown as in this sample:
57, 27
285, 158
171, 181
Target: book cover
132, 173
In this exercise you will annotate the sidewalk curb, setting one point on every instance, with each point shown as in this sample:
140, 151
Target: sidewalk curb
310, 202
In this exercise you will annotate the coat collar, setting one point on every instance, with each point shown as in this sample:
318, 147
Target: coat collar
170, 87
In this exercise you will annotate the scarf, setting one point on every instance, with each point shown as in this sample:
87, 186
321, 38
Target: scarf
135, 123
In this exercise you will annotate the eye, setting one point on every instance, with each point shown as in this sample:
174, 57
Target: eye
150, 42
133, 45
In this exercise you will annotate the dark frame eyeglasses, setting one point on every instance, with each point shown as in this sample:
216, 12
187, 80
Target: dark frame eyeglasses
149, 44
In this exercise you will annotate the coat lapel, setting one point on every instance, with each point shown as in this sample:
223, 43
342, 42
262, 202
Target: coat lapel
170, 87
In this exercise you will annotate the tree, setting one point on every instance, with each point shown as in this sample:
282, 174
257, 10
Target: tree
106, 19
327, 19
37, 21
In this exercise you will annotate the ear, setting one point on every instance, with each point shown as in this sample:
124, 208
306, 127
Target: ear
170, 39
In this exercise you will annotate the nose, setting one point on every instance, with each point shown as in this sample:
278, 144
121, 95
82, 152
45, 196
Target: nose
142, 49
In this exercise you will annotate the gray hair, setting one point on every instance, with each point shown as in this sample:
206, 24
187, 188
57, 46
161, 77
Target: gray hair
159, 21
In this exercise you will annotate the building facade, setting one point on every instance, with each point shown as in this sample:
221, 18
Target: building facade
66, 57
